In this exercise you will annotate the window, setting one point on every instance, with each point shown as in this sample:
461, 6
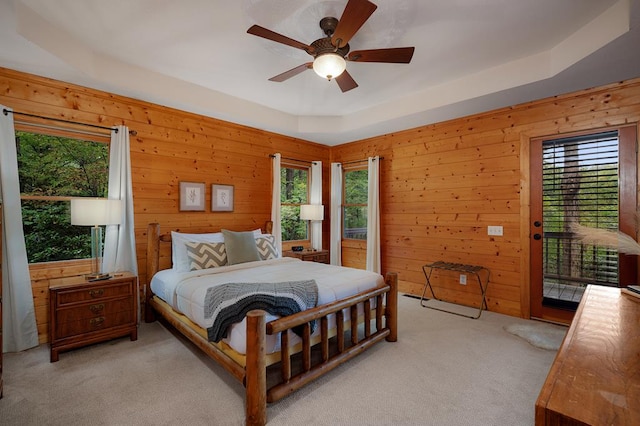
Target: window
51, 171
580, 184
294, 191
355, 204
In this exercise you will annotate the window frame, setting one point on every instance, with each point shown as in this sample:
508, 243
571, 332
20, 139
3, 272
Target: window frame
307, 168
70, 132
345, 204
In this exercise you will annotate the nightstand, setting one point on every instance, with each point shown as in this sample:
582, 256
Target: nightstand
82, 312
320, 256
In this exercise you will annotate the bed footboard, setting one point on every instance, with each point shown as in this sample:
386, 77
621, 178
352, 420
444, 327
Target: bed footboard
257, 394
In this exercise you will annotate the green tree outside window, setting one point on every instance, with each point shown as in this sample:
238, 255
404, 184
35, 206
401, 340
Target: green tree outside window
51, 171
294, 191
355, 204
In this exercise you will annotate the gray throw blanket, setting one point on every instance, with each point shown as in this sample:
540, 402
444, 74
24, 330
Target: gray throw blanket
228, 303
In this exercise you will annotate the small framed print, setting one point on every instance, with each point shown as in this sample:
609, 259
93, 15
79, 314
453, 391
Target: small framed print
221, 198
192, 196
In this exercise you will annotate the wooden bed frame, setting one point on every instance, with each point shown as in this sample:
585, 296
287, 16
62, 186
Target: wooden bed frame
333, 347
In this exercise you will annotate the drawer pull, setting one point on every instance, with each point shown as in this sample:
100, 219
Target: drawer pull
96, 308
96, 293
96, 322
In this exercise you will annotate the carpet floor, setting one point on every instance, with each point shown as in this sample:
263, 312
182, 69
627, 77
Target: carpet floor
444, 370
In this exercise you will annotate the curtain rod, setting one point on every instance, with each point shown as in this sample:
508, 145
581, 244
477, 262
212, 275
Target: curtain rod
294, 159
361, 161
6, 112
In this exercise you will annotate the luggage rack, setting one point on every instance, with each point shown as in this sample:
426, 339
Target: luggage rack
457, 267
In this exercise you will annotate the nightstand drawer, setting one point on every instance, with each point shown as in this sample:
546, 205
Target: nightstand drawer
90, 310
99, 292
96, 323
320, 258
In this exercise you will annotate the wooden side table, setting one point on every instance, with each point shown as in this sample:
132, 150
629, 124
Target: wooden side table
320, 256
84, 312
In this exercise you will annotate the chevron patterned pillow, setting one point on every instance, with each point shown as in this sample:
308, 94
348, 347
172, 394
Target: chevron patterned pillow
267, 247
206, 255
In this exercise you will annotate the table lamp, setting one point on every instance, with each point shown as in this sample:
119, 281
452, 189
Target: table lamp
95, 212
312, 212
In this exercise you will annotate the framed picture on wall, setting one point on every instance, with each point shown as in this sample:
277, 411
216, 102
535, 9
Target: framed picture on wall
192, 196
221, 198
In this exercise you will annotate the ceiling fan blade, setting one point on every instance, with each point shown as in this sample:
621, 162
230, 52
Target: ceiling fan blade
355, 14
292, 72
346, 82
397, 55
279, 38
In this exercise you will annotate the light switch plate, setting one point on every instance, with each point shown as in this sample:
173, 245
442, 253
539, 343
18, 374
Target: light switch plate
494, 230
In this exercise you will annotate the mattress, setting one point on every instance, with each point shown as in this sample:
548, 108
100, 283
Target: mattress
185, 291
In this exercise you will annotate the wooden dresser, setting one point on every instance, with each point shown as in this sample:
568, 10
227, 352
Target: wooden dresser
83, 312
595, 378
320, 256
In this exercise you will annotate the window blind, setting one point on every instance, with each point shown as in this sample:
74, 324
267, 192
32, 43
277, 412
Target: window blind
580, 183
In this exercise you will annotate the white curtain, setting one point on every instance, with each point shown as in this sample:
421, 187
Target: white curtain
373, 216
275, 203
20, 331
315, 197
120, 241
336, 214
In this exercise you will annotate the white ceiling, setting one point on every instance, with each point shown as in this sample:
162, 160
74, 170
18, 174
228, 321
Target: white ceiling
195, 55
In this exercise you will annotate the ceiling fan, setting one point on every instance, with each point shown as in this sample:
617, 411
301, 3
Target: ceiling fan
331, 52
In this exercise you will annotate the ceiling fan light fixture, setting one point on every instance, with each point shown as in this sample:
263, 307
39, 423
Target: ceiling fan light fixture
329, 65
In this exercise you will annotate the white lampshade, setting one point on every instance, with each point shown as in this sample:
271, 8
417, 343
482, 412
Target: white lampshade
95, 211
329, 65
312, 212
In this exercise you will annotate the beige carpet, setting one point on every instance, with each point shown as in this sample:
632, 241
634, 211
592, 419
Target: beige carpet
444, 370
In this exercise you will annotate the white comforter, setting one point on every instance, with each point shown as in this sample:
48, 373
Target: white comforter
185, 291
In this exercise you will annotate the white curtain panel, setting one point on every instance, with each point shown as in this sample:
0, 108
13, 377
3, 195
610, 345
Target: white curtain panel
336, 214
275, 203
120, 241
316, 198
373, 216
20, 331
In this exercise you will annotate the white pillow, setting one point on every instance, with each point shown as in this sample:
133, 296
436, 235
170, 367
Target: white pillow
179, 240
179, 257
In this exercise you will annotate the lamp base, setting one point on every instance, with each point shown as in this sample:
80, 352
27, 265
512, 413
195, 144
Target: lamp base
97, 276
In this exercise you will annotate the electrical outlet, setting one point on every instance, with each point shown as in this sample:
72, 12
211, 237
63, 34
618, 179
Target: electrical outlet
494, 230
463, 279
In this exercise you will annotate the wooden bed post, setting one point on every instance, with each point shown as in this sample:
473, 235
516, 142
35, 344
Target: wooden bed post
256, 369
153, 259
391, 311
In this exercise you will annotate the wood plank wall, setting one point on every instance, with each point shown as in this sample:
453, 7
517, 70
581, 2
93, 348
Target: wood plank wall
170, 146
443, 184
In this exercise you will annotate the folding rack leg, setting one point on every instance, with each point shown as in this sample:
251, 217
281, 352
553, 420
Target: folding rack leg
427, 284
